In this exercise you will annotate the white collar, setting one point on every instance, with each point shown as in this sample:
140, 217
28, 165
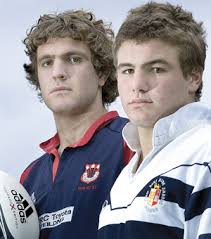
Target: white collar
170, 127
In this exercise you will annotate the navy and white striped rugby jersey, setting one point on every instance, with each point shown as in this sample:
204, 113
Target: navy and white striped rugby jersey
169, 196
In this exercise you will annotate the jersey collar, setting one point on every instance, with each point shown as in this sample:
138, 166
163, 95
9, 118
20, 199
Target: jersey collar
50, 145
170, 127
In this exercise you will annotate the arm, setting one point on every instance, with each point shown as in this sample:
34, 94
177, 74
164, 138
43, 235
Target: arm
198, 209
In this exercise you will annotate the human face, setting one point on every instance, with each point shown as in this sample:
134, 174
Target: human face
150, 81
68, 81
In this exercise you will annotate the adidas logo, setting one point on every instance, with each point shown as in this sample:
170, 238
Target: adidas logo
23, 207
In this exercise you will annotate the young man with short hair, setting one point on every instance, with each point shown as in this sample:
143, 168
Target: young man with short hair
165, 190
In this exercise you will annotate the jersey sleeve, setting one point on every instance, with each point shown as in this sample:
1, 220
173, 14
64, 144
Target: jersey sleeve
198, 209
26, 172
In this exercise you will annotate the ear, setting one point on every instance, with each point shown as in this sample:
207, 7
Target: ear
195, 80
102, 79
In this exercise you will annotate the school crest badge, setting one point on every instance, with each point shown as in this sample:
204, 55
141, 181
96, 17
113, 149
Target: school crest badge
155, 195
91, 173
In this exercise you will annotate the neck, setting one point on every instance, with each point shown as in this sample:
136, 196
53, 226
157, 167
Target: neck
71, 128
145, 137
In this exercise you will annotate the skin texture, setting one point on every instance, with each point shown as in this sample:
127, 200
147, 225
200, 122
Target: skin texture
151, 85
68, 80
150, 81
70, 87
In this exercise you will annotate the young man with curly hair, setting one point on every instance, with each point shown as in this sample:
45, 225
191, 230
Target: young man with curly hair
71, 66
165, 190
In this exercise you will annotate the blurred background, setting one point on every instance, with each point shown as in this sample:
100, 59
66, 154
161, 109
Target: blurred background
24, 121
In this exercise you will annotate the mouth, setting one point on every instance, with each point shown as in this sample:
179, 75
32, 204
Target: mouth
60, 89
139, 101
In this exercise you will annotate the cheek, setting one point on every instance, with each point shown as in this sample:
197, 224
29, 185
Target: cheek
171, 96
123, 87
87, 78
43, 87
42, 78
86, 87
165, 92
125, 96
123, 91
177, 90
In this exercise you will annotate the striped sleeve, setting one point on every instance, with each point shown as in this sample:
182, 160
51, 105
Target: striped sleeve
198, 209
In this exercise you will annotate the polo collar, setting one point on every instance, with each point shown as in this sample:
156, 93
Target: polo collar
51, 144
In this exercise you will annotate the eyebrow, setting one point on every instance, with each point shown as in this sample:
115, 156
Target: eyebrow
69, 53
156, 61
146, 64
124, 65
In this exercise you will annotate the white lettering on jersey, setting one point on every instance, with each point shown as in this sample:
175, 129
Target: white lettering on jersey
54, 219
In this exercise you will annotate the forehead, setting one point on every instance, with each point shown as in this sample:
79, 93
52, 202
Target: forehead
59, 46
148, 51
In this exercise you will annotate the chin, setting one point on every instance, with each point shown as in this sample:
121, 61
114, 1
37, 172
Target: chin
60, 108
144, 123
140, 119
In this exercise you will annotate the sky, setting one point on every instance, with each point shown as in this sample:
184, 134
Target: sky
24, 121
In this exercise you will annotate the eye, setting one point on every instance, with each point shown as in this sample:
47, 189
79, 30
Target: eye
158, 70
75, 59
128, 71
46, 62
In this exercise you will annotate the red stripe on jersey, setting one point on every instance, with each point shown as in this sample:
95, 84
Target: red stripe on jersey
55, 162
25, 174
97, 125
50, 146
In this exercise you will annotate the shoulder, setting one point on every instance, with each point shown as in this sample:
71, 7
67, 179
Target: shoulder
31, 166
117, 124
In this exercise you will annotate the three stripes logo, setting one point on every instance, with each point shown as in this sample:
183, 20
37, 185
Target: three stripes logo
24, 209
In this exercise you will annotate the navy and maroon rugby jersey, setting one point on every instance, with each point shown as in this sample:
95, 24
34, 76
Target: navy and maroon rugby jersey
69, 191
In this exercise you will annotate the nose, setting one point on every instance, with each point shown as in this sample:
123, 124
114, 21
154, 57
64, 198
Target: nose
59, 70
140, 83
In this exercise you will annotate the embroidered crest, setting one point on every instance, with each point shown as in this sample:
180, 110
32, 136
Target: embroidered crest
91, 173
155, 195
